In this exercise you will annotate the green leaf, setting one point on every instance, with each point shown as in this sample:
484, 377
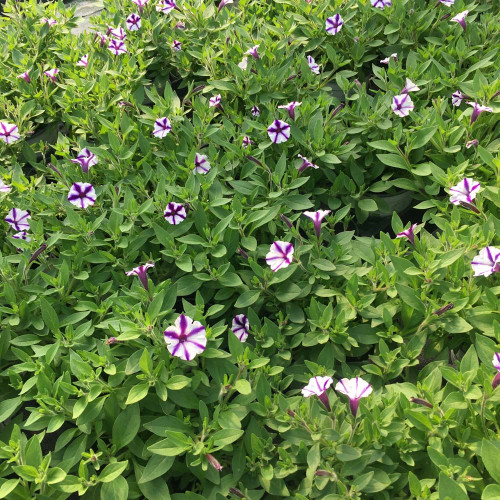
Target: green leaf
395, 161
489, 454
491, 492
422, 137
49, 315
8, 407
137, 393
243, 386
226, 436
115, 490
419, 420
156, 467
247, 298
112, 471
384, 146
177, 382
450, 489
7, 486
176, 443
126, 426
409, 296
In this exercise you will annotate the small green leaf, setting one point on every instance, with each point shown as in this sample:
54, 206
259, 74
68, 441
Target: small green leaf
137, 393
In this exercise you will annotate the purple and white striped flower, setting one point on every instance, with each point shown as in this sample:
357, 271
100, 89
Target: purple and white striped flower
133, 22
486, 262
477, 110
473, 142
25, 76
253, 52
457, 98
51, 22
409, 87
317, 386
186, 338
223, 3
305, 164
243, 64
162, 127
355, 389
117, 47
408, 233
334, 24
103, 38
166, 6
460, 19
18, 219
290, 107
280, 255
82, 195
279, 131
402, 105
317, 217
246, 142
448, 3
22, 235
4, 188
52, 73
84, 61
141, 273
312, 65
118, 33
465, 191
9, 133
201, 164
180, 26
85, 159
175, 213
176, 45
214, 101
140, 4
388, 58
241, 327
496, 363
255, 111
381, 4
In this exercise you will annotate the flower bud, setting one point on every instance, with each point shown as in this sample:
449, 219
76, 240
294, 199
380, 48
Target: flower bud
356, 39
243, 253
422, 402
321, 473
443, 309
236, 492
496, 381
111, 340
286, 220
213, 462
290, 412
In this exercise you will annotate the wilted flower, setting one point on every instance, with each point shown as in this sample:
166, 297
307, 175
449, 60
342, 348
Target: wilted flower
280, 255
486, 262
118, 33
448, 3
18, 219
51, 22
477, 110
212, 460
175, 213
176, 45
334, 24
117, 47
82, 194
162, 127
223, 3
243, 64
388, 58
25, 76
240, 327
473, 142
201, 164
22, 235
317, 217
140, 4
9, 133
214, 101
457, 98
408, 233
84, 61
133, 22
186, 338
290, 107
460, 19
402, 105
111, 340
496, 381
246, 141
464, 191
141, 273
317, 386
305, 164
354, 389
279, 131
166, 6
409, 87
381, 4
312, 65
51, 74
255, 111
443, 309
253, 52
85, 159
4, 188
103, 38
180, 26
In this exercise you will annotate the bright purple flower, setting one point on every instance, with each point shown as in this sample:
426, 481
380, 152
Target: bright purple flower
290, 107
51, 74
82, 194
465, 191
448, 3
486, 262
243, 64
457, 98
318, 386
334, 24
186, 338
305, 164
117, 47
354, 389
317, 217
279, 131
22, 235
241, 327
118, 33
141, 273
253, 52
478, 109
246, 141
9, 133
175, 213
201, 164
381, 4
18, 219
25, 76
176, 45
85, 159
408, 233
409, 87
469, 144
162, 127
84, 61
51, 22
140, 4
312, 65
223, 3
280, 255
4, 188
214, 101
166, 6
460, 19
496, 360
255, 111
133, 22
402, 105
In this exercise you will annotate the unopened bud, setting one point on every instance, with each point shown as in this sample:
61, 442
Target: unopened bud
252, 158
446, 16
422, 402
111, 340
443, 309
213, 462
236, 492
290, 412
496, 381
356, 39
286, 220
243, 253
321, 472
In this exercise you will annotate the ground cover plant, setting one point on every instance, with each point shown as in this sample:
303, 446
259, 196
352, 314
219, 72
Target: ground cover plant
250, 250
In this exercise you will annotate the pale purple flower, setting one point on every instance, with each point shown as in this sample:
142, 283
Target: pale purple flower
253, 52
175, 213
214, 101
9, 133
381, 4
409, 87
486, 262
82, 194
354, 389
186, 338
290, 107
279, 131
388, 58
457, 98
402, 105
477, 110
176, 45
140, 4
280, 255
201, 164
141, 273
448, 3
4, 188
51, 22
117, 47
22, 235
312, 65
317, 217
166, 6
51, 74
317, 386
18, 219
473, 142
305, 164
25, 76
241, 327
223, 3
180, 26
408, 233
118, 33
460, 19
496, 360
133, 22
246, 141
255, 111
162, 127
85, 159
84, 61
465, 191
243, 64
334, 24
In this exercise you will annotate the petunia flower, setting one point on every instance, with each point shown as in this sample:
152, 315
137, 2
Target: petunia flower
85, 159
253, 52
477, 110
279, 131
381, 4
82, 194
162, 127
448, 3
317, 217
180, 26
186, 338
51, 22
290, 107
465, 191
140, 4
280, 255
305, 164
84, 61
133, 22
4, 188
9, 133
354, 389
223, 3
166, 6
175, 213
408, 233
317, 386
103, 38
241, 327
201, 164
214, 101
51, 74
117, 47
460, 19
486, 262
402, 105
243, 64
22, 235
496, 360
25, 76
457, 98
473, 142
312, 65
246, 142
176, 45
334, 24
18, 219
409, 87
388, 58
118, 33
141, 273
